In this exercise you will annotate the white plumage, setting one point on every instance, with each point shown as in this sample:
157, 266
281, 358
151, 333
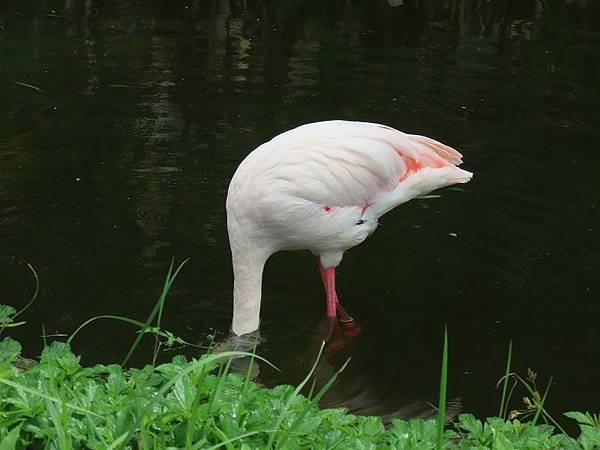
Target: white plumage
322, 187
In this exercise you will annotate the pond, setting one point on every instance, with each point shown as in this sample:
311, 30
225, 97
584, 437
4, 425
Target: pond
123, 121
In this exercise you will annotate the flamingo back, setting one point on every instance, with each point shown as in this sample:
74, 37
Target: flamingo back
312, 184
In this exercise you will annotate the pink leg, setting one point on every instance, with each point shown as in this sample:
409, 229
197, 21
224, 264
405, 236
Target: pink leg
332, 300
334, 308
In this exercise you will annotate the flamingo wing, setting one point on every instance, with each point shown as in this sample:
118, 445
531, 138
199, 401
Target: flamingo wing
341, 164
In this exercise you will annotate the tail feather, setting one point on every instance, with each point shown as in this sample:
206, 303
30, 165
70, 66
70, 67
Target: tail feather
446, 152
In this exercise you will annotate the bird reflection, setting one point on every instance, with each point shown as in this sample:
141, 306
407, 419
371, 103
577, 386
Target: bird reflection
352, 389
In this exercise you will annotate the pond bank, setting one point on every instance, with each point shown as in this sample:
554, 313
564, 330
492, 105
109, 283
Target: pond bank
195, 404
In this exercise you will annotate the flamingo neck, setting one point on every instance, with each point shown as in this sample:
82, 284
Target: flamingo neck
247, 286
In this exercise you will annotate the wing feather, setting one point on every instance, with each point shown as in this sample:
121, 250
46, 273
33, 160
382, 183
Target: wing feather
341, 163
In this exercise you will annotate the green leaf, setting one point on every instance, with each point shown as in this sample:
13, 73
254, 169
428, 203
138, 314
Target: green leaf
59, 355
371, 426
501, 442
6, 314
585, 419
9, 348
10, 440
310, 422
589, 438
183, 393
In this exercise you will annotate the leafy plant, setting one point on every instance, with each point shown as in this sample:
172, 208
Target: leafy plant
589, 425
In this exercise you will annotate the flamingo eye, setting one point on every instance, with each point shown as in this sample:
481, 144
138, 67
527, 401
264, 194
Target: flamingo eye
360, 222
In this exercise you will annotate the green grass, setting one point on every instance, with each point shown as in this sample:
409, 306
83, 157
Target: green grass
198, 404
441, 418
189, 404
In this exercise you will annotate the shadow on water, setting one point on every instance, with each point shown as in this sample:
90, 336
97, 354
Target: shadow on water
123, 122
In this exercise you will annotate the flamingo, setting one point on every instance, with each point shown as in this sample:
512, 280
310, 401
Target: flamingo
323, 187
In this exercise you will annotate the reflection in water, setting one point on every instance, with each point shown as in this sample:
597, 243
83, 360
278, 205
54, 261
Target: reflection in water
353, 389
161, 124
241, 54
123, 162
302, 70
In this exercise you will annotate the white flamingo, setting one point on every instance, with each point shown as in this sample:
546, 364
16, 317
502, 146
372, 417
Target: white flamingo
322, 187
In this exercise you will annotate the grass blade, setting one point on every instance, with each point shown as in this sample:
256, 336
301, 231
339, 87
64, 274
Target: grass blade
151, 316
161, 305
503, 401
137, 323
224, 371
249, 372
30, 86
315, 401
107, 316
10, 440
540, 404
117, 443
24, 308
35, 294
441, 419
325, 388
294, 395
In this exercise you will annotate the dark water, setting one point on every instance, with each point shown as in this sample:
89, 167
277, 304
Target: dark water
123, 162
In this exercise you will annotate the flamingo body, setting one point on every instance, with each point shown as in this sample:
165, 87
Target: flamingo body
322, 187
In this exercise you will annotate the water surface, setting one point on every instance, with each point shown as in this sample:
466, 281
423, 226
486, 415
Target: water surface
122, 162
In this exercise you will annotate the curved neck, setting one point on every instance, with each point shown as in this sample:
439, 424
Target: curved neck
248, 268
